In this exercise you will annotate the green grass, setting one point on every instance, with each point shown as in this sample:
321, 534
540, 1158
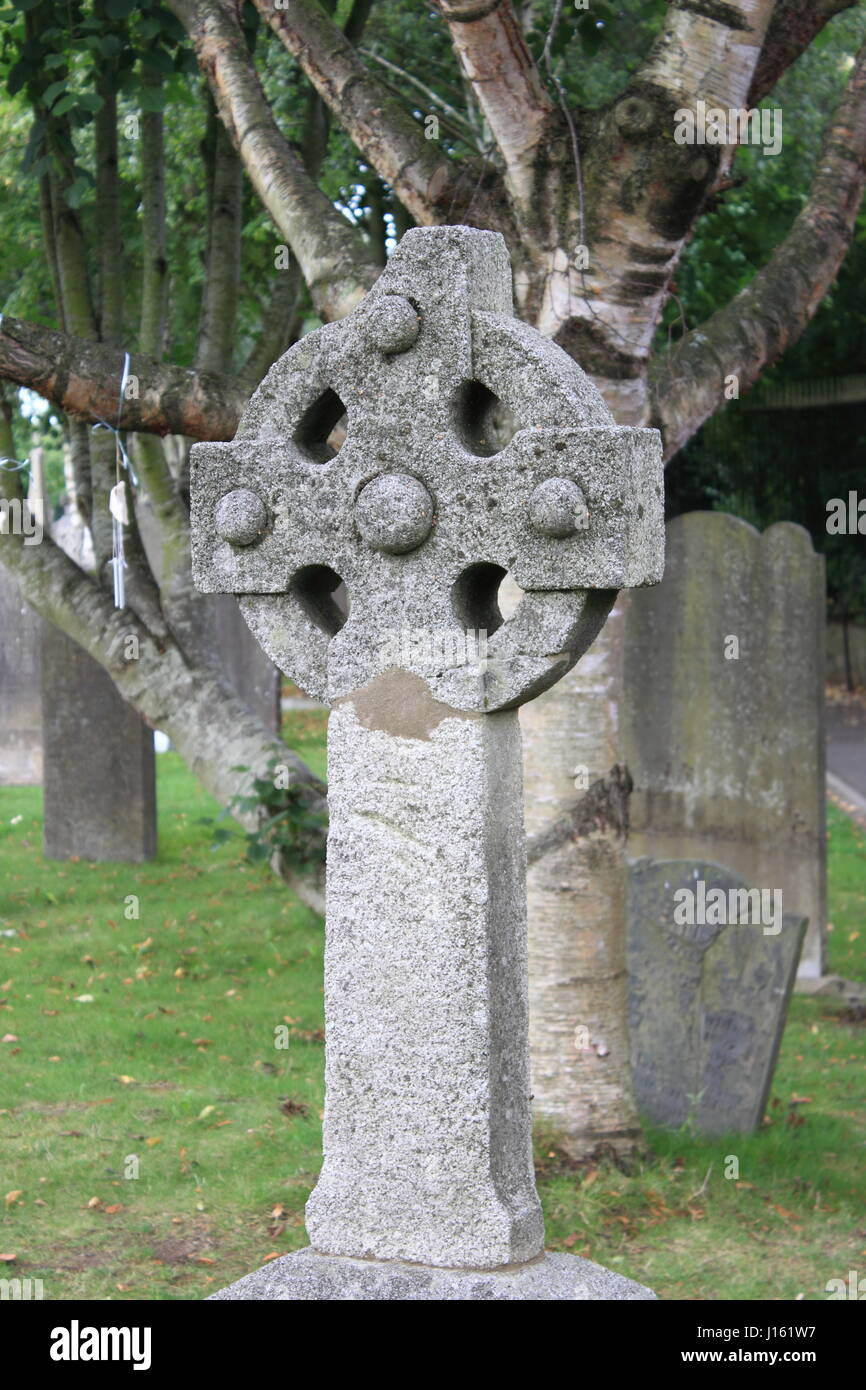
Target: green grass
153, 1039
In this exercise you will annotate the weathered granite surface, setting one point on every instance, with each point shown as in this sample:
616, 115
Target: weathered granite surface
308, 1275
427, 1153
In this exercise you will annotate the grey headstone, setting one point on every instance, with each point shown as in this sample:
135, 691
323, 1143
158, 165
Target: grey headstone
707, 1001
20, 717
99, 776
253, 675
727, 754
427, 1153
238, 655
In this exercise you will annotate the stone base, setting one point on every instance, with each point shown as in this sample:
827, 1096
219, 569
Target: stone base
852, 992
309, 1276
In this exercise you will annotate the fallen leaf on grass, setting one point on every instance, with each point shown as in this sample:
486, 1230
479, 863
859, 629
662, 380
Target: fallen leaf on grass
113, 1209
12, 1197
208, 1110
94, 1202
7, 1259
274, 1255
294, 1107
783, 1211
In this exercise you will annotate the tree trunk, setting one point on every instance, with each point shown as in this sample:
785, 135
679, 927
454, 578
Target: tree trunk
576, 822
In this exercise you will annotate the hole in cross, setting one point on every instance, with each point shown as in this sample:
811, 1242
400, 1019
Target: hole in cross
484, 423
323, 597
321, 431
475, 597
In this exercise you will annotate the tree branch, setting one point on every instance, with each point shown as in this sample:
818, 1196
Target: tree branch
644, 191
385, 133
792, 28
219, 298
82, 377
161, 684
333, 258
749, 334
491, 50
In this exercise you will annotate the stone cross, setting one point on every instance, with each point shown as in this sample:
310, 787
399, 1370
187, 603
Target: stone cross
420, 504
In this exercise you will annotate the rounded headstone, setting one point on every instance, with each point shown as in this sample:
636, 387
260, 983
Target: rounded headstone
241, 516
557, 508
394, 512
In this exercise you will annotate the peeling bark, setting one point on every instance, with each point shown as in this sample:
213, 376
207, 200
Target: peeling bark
388, 136
81, 377
792, 28
490, 47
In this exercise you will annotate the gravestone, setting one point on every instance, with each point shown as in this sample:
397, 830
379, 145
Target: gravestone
710, 973
242, 661
427, 1188
99, 774
20, 721
236, 653
724, 710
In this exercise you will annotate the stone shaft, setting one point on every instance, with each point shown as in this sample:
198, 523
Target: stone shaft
427, 1119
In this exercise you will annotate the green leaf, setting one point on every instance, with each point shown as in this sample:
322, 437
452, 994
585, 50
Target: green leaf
34, 145
51, 93
65, 104
119, 9
18, 75
25, 4
76, 191
91, 101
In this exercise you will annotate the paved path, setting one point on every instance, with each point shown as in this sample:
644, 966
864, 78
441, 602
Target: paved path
846, 757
